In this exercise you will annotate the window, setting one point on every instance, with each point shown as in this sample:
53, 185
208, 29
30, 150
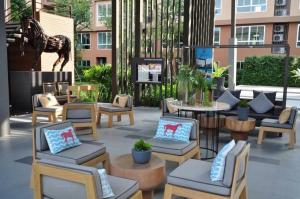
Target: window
104, 40
218, 7
250, 35
217, 35
251, 5
101, 60
84, 63
84, 41
103, 11
298, 37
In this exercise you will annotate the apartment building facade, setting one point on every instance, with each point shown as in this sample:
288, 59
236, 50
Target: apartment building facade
258, 22
94, 42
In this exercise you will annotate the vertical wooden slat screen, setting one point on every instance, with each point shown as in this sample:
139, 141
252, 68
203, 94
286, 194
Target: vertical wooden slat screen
157, 29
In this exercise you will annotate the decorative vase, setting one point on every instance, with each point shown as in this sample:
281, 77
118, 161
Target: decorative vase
198, 97
243, 113
141, 157
220, 81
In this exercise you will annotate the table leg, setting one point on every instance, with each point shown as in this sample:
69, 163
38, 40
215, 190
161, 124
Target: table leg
147, 194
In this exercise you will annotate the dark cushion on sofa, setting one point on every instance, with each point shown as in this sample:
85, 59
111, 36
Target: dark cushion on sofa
270, 95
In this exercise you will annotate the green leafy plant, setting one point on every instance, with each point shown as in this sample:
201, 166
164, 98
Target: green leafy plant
141, 145
243, 103
219, 70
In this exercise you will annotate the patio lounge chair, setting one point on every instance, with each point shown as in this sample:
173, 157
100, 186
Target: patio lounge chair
110, 110
192, 178
60, 180
56, 89
81, 115
37, 110
178, 151
88, 154
273, 126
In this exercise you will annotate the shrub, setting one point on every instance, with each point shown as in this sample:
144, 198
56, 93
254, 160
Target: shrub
141, 145
267, 71
100, 75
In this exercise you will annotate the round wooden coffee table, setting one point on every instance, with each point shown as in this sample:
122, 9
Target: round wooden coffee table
149, 176
239, 129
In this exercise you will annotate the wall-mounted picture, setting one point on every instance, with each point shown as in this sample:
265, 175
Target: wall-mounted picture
149, 72
204, 60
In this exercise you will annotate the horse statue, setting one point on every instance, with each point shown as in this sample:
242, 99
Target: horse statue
33, 33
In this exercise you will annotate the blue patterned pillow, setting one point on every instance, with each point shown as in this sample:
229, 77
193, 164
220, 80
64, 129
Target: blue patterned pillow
173, 130
107, 191
218, 166
59, 140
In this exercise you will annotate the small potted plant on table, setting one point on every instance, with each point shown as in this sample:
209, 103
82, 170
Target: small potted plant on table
243, 110
141, 153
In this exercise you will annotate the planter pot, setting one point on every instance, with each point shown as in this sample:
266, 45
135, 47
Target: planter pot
243, 113
219, 86
141, 157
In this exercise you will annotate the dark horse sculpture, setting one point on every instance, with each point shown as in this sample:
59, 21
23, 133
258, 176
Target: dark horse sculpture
32, 30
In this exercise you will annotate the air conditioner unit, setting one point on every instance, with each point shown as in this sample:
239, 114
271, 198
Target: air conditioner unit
278, 37
281, 12
279, 28
278, 50
280, 2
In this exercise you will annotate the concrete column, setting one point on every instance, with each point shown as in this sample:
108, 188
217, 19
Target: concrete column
4, 96
232, 51
232, 62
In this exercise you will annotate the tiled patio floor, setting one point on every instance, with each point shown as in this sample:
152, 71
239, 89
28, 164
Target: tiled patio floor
274, 171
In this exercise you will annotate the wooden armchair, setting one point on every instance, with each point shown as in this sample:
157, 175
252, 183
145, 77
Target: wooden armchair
59, 180
89, 89
191, 179
81, 115
51, 112
72, 93
273, 126
111, 111
84, 154
178, 151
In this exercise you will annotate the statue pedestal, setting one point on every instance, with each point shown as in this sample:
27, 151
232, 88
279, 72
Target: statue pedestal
24, 84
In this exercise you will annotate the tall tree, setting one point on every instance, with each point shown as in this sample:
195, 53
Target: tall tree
79, 10
19, 8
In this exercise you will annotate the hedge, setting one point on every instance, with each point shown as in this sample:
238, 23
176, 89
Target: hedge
267, 71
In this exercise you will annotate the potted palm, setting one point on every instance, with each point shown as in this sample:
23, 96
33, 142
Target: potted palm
198, 85
141, 152
218, 76
185, 82
243, 110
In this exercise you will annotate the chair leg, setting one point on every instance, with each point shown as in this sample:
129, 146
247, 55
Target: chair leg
119, 118
131, 118
54, 118
110, 120
198, 155
244, 193
168, 192
260, 135
295, 138
34, 118
291, 139
99, 119
94, 131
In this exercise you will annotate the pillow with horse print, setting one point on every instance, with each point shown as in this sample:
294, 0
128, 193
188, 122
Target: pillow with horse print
59, 140
173, 130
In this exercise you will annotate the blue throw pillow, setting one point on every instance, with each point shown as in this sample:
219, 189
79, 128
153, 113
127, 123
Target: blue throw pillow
218, 166
107, 191
59, 140
173, 130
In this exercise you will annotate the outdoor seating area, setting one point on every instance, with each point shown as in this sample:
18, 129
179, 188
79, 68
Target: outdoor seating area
152, 99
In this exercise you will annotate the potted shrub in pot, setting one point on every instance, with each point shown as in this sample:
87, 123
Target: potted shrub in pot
218, 76
243, 110
141, 152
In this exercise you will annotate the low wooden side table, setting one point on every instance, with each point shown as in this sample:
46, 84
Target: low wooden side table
239, 129
149, 176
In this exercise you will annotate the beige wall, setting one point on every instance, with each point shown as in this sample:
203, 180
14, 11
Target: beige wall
57, 25
295, 8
